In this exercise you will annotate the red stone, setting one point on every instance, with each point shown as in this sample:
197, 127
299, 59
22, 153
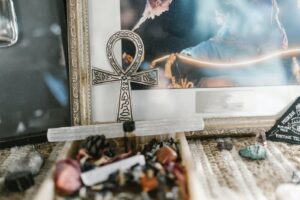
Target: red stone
166, 154
148, 183
180, 174
67, 177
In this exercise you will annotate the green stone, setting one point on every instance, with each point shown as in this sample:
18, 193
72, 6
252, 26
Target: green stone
254, 152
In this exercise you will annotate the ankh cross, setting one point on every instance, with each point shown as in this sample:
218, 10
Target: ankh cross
125, 76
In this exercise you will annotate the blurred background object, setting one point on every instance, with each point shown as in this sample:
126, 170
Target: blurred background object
33, 74
8, 23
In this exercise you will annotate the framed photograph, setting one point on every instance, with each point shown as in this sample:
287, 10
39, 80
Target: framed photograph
33, 73
215, 58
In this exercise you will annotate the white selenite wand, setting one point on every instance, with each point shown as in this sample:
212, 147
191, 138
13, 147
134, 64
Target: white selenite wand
115, 130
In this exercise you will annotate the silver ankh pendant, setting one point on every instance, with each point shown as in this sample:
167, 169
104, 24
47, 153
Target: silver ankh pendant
125, 76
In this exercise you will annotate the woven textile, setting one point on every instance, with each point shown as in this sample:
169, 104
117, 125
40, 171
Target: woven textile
226, 175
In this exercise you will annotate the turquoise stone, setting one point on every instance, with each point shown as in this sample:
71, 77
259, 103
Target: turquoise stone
254, 152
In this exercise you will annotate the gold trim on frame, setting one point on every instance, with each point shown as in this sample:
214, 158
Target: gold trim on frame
79, 62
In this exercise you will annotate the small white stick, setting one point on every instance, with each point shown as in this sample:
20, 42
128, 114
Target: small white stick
101, 174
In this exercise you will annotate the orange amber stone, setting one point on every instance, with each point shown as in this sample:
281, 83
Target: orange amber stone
148, 183
166, 154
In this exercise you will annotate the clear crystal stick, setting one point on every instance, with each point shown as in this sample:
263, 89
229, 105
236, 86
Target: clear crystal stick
115, 130
101, 174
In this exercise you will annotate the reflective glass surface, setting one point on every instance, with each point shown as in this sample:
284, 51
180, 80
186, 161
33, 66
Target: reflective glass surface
33, 73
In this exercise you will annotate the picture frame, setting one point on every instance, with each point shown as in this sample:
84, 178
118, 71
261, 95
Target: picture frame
244, 105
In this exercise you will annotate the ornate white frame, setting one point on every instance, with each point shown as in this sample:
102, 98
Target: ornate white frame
80, 87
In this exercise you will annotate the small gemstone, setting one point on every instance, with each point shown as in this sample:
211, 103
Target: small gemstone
254, 152
261, 137
87, 167
129, 126
228, 146
121, 178
149, 183
166, 154
19, 181
136, 172
83, 193
98, 187
224, 145
296, 177
32, 162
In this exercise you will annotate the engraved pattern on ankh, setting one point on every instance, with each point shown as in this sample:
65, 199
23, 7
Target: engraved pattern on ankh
125, 113
149, 77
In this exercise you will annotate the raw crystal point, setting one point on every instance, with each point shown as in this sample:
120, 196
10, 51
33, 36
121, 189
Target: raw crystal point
31, 162
254, 152
288, 191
